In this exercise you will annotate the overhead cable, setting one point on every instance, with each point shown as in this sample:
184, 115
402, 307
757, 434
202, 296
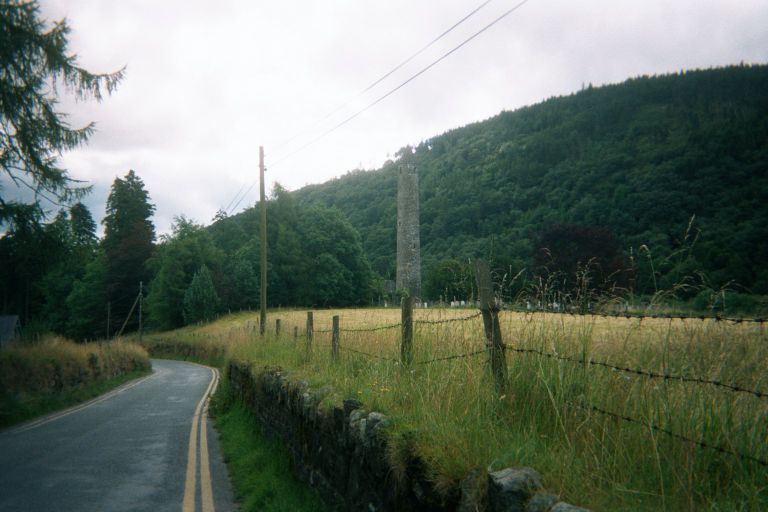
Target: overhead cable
403, 84
395, 89
387, 74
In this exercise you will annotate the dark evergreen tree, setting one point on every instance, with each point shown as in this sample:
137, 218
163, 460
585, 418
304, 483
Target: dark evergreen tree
83, 227
201, 302
88, 304
128, 241
34, 59
29, 250
76, 235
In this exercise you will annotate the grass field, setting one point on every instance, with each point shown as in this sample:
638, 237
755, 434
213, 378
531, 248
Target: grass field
602, 437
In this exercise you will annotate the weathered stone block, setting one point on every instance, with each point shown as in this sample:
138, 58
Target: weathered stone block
351, 405
541, 502
565, 507
510, 489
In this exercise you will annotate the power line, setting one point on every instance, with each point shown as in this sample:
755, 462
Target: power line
229, 212
409, 59
226, 208
387, 74
403, 84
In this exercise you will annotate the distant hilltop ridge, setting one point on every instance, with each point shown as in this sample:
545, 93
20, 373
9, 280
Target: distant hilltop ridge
676, 163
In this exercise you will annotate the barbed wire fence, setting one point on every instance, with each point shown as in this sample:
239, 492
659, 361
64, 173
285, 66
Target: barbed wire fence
496, 351
642, 316
586, 363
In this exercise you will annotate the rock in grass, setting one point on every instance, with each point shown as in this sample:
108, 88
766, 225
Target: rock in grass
541, 502
566, 507
510, 489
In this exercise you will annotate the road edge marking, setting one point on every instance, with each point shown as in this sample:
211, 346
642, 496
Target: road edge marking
206, 485
79, 407
190, 482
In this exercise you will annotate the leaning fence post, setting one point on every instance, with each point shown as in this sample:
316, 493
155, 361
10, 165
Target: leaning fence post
335, 338
310, 330
406, 330
490, 311
277, 328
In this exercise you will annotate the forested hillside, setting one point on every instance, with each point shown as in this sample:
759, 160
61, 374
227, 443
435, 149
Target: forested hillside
672, 170
655, 184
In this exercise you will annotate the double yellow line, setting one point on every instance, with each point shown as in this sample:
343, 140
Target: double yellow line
200, 422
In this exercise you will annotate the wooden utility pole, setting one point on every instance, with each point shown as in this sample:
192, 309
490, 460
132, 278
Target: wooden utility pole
490, 310
310, 331
335, 335
263, 243
141, 304
406, 330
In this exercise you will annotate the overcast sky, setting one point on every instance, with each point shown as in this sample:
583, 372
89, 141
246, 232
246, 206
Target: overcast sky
208, 82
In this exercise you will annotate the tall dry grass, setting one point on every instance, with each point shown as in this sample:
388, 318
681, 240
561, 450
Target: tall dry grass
34, 377
600, 437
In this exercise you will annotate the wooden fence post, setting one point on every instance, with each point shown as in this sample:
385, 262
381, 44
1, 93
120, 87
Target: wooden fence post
295, 333
277, 328
310, 330
406, 330
335, 338
490, 311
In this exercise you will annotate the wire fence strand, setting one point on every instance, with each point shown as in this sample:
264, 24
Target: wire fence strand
448, 320
654, 316
373, 329
641, 372
456, 356
699, 443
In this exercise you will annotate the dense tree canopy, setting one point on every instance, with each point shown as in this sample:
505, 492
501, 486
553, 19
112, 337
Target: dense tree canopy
173, 266
638, 159
40, 262
34, 65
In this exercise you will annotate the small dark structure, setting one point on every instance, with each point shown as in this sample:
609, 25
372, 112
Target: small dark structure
10, 329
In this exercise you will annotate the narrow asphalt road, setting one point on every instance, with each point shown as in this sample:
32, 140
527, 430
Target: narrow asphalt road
147, 446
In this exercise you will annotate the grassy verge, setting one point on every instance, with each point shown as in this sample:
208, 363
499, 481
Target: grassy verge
258, 466
552, 415
15, 411
55, 374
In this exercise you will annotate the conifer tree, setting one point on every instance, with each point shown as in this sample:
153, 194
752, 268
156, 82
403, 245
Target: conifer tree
34, 66
200, 300
128, 241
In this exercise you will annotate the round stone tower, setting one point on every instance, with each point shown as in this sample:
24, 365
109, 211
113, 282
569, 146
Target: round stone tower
408, 241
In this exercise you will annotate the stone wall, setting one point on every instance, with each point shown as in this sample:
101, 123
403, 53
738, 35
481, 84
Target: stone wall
341, 450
